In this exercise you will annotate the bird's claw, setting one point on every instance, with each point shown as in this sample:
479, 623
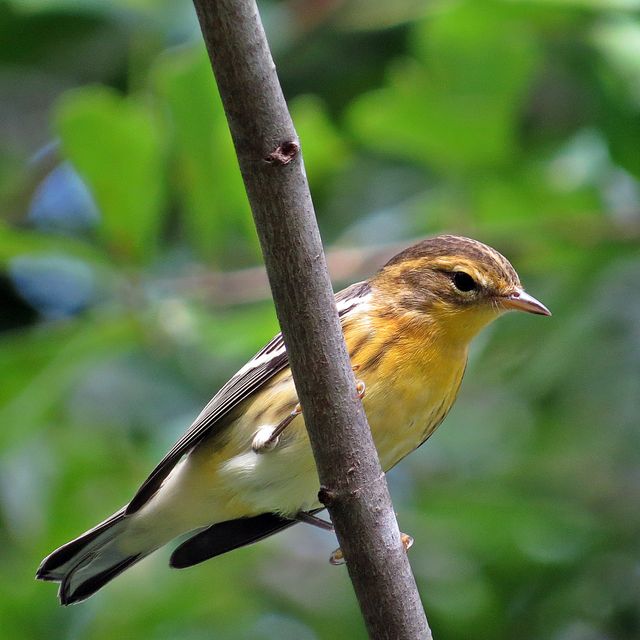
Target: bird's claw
407, 541
267, 437
337, 557
263, 440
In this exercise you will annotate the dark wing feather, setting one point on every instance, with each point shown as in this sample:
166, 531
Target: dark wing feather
268, 362
226, 536
239, 388
50, 566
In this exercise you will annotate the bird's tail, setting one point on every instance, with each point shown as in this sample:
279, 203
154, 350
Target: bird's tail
87, 563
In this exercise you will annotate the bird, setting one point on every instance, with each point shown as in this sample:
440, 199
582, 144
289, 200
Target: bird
244, 469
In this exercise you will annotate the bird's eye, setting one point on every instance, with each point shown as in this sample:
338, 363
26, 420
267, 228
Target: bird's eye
464, 282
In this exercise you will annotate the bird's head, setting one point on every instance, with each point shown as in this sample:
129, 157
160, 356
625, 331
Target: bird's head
453, 285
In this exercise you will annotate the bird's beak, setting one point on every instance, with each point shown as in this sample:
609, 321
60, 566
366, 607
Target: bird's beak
520, 300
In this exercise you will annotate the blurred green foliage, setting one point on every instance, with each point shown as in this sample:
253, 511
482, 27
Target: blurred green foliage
514, 122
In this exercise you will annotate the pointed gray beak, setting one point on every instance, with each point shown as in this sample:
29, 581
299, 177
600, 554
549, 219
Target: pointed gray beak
520, 300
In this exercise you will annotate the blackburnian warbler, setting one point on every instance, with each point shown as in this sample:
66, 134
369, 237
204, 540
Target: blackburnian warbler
245, 470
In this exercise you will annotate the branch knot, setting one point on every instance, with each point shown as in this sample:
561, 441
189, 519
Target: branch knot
284, 153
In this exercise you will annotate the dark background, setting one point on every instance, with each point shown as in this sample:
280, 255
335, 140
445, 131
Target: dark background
125, 300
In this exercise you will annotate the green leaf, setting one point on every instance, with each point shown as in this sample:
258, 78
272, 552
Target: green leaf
116, 146
456, 106
325, 150
44, 364
15, 242
217, 216
514, 531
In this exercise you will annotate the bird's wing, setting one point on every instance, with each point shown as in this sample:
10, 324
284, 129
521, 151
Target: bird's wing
259, 370
227, 536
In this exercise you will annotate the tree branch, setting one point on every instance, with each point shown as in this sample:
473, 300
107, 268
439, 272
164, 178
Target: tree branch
353, 484
244, 286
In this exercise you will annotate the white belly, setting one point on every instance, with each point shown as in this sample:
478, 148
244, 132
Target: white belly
284, 480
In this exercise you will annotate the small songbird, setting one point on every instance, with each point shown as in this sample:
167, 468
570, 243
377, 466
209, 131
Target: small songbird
244, 469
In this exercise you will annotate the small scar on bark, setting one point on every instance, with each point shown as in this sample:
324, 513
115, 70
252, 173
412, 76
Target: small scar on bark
283, 153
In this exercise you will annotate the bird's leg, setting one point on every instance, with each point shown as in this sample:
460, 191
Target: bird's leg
309, 518
261, 444
265, 440
360, 386
337, 557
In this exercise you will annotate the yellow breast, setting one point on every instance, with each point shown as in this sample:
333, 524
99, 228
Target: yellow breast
408, 395
411, 383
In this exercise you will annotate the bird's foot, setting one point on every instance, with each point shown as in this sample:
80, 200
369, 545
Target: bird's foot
263, 439
407, 541
266, 438
337, 557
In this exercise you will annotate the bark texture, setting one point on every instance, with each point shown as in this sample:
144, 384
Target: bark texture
353, 485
